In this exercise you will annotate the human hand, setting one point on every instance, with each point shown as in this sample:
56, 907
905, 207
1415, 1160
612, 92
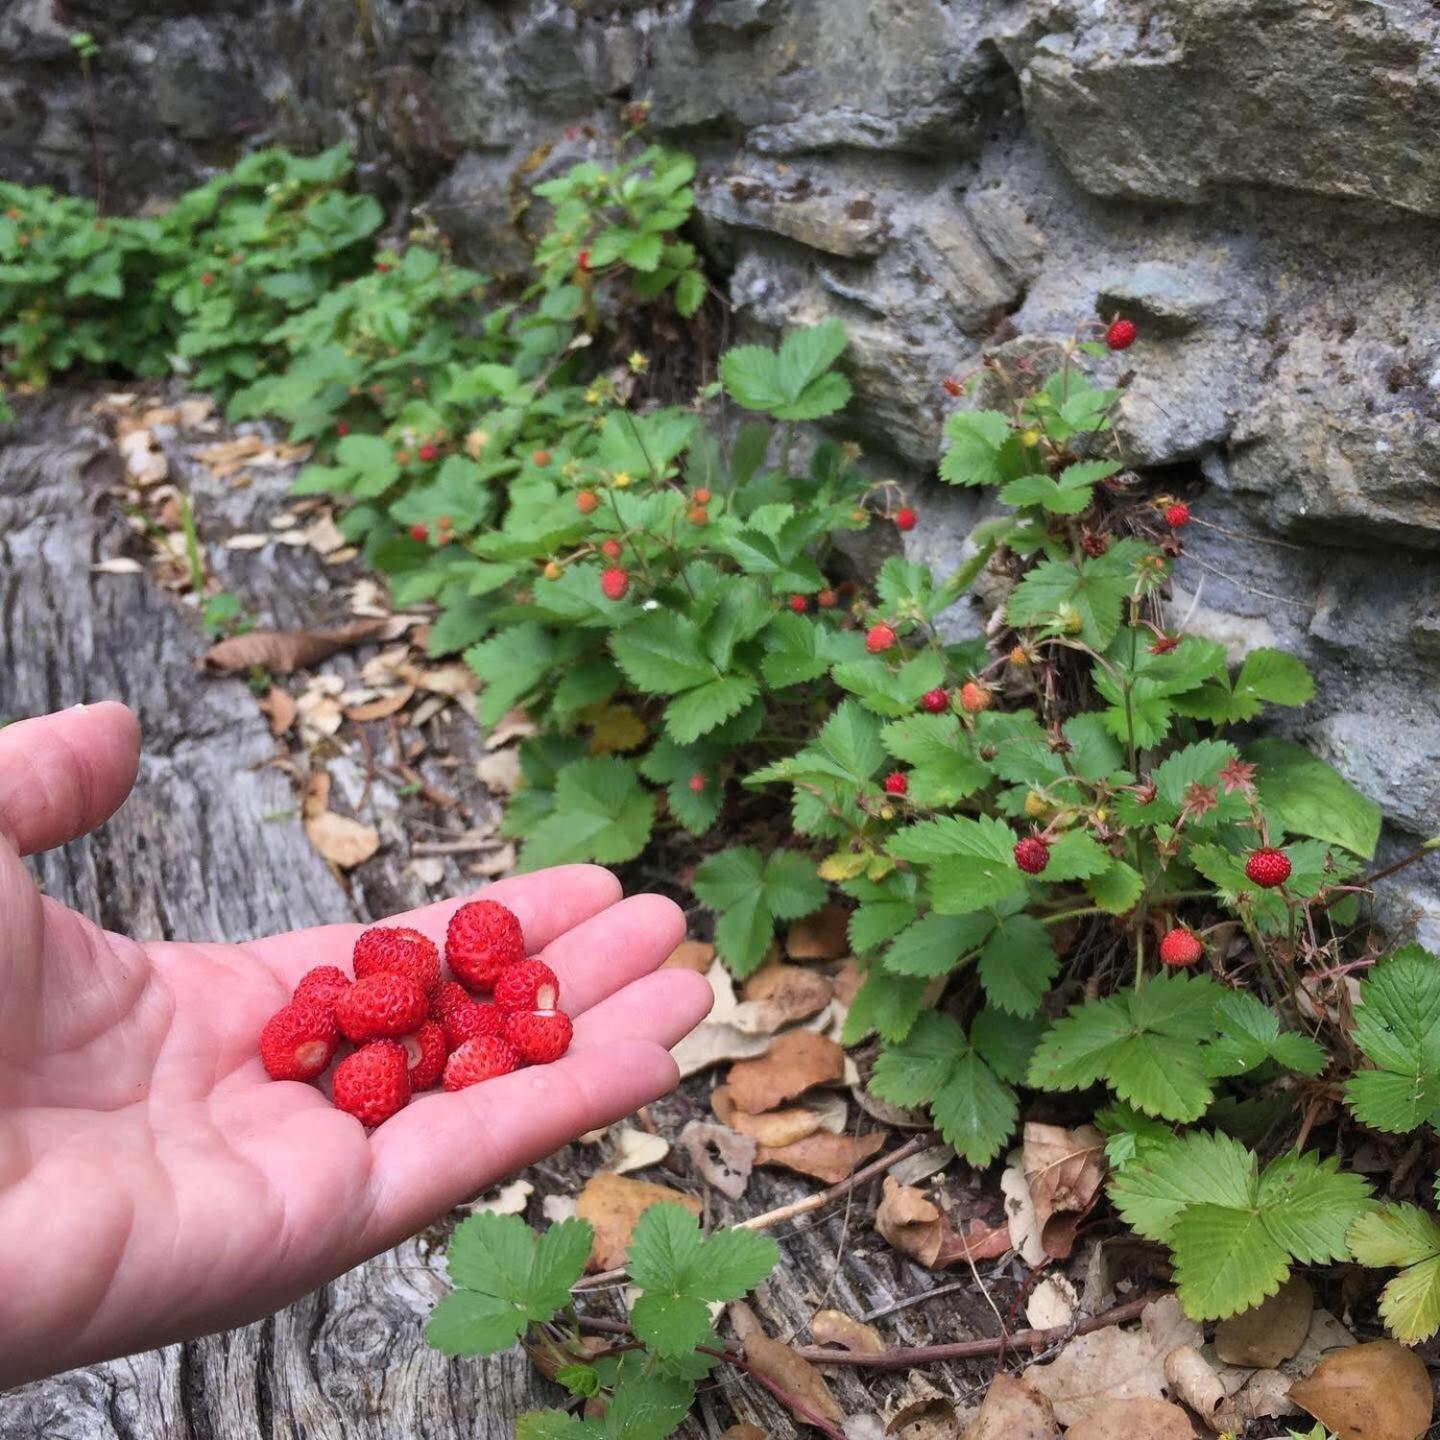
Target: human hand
154, 1183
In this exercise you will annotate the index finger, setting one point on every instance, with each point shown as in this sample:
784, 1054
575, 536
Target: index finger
547, 904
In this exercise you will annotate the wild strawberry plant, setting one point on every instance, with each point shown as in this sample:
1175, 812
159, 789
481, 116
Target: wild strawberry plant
512, 1285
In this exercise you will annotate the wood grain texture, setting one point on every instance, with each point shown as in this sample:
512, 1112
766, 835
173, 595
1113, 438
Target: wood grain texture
198, 851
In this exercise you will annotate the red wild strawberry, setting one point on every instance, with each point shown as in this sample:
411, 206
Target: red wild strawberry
398, 951
1120, 335
587, 502
615, 583
374, 1083
935, 702
799, 604
583, 260
540, 458
474, 1017
1181, 947
325, 983
879, 638
428, 453
896, 783
419, 532
483, 1058
425, 1053
906, 519
299, 1041
1267, 867
827, 599
612, 549
527, 985
1032, 854
701, 496
1177, 516
450, 996
484, 937
975, 697
382, 267
381, 1007
207, 279
539, 1037
697, 783
342, 429
698, 515
445, 522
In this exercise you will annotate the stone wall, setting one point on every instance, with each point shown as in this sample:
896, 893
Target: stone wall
1256, 182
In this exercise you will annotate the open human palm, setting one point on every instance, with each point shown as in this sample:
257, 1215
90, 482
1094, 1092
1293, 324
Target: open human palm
154, 1183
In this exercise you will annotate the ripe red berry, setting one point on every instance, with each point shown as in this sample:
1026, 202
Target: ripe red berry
935, 702
540, 458
540, 1037
879, 638
482, 1058
799, 604
1177, 516
342, 429
1121, 334
827, 599
381, 1007
701, 496
207, 279
299, 1041
325, 983
906, 519
1267, 867
527, 985
428, 453
374, 1083
896, 783
975, 697
611, 549
425, 1054
382, 267
419, 531
587, 502
450, 996
583, 260
615, 583
466, 1021
698, 515
1181, 947
398, 951
1032, 854
445, 522
484, 937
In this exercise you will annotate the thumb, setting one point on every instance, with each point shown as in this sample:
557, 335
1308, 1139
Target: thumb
62, 775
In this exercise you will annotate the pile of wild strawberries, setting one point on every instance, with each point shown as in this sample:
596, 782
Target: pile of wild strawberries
412, 1028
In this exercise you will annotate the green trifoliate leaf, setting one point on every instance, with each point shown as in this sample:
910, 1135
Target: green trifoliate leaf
1397, 1027
1403, 1235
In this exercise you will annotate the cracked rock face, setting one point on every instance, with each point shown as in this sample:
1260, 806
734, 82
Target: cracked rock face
1255, 182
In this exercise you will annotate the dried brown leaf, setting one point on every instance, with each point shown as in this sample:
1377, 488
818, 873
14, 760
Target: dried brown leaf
745, 1432
783, 994
613, 1204
835, 1327
512, 725
1194, 1380
722, 1158
797, 1377
795, 1062
776, 1128
1012, 1411
821, 936
1134, 1420
1271, 1332
499, 771
344, 842
694, 955
382, 707
283, 651
1065, 1170
848, 980
454, 681
917, 1227
1114, 1363
831, 1158
1377, 1391
280, 708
